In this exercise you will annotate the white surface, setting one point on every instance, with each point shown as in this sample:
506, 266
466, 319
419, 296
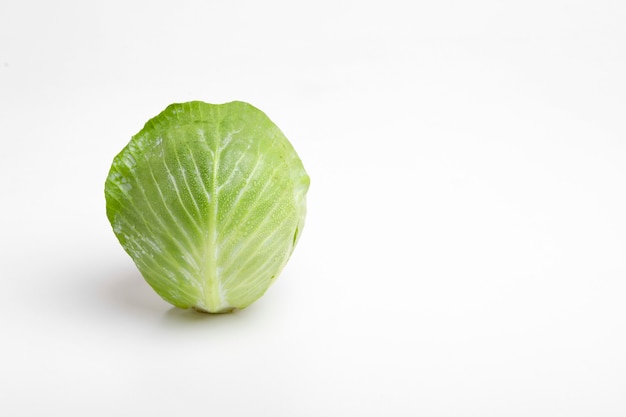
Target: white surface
464, 249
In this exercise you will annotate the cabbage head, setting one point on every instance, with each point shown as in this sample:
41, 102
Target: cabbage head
209, 201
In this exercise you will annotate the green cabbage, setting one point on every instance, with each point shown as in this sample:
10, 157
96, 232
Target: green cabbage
209, 201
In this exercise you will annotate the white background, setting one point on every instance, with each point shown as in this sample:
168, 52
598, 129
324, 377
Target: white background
464, 253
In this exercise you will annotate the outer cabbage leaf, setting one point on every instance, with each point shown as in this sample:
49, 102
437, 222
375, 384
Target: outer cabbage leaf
209, 201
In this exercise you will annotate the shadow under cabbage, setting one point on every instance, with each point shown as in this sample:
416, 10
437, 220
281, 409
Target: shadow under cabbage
180, 318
